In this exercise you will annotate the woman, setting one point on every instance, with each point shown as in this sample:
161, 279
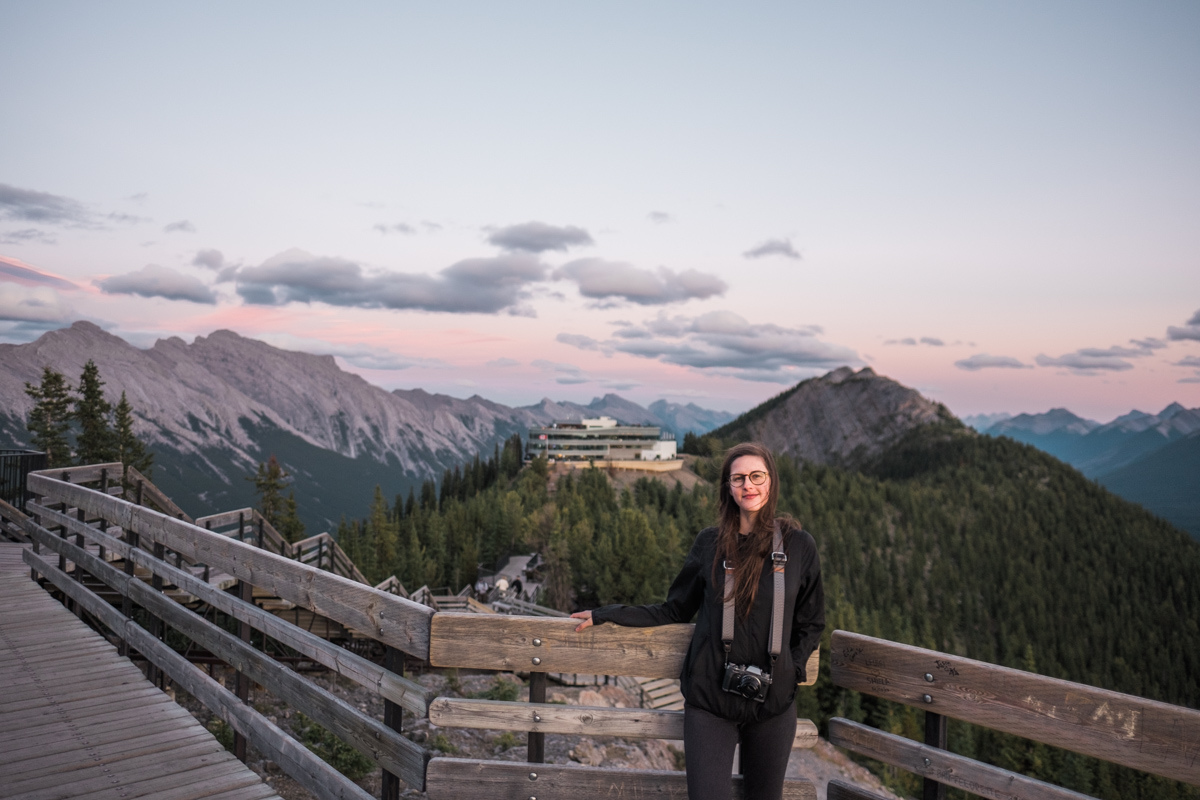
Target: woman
717, 716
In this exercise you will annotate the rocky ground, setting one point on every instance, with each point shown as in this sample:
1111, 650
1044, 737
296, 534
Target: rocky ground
819, 765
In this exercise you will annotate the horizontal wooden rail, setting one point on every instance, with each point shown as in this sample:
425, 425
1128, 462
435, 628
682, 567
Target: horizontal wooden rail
1131, 731
550, 644
401, 691
370, 737
630, 723
224, 519
457, 778
294, 758
88, 473
943, 766
386, 617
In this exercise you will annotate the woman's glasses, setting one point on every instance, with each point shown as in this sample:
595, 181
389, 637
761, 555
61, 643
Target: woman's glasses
757, 478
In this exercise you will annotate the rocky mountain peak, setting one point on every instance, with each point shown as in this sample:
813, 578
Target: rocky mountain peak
843, 417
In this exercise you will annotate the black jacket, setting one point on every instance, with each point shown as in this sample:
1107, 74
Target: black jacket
694, 590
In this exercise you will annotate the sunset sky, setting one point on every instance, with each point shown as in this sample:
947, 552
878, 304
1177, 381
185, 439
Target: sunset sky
995, 203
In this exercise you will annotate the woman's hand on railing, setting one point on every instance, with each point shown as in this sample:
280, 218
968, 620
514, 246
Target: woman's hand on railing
586, 616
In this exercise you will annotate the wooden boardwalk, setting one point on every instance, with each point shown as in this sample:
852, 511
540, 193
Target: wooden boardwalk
78, 721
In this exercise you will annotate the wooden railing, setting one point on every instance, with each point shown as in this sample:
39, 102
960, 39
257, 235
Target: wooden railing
1143, 734
68, 517
87, 526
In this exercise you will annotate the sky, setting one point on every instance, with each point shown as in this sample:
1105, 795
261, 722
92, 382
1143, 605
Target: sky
994, 203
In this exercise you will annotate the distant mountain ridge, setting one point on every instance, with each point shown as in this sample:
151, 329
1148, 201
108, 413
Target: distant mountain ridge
1151, 459
211, 410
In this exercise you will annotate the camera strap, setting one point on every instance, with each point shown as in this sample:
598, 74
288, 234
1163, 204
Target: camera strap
778, 565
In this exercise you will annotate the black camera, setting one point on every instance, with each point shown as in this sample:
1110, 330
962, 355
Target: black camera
748, 681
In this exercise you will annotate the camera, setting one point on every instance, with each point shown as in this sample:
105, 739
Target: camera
748, 681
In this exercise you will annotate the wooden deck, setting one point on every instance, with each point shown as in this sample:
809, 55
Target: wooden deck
78, 721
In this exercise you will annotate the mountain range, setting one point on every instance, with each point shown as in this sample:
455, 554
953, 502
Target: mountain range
213, 409
1151, 459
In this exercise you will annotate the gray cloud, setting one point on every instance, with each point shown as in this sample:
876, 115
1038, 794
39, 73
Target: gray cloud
182, 226
1188, 361
773, 247
908, 341
932, 341
503, 363
578, 340
398, 227
125, 219
1084, 363
721, 342
984, 361
1094, 360
14, 270
28, 205
1191, 330
538, 237
660, 217
566, 374
475, 285
212, 259
155, 281
26, 235
1149, 343
599, 279
40, 305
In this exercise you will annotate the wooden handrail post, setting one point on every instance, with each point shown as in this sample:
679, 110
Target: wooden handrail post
241, 527
242, 688
131, 539
393, 714
935, 736
79, 542
156, 624
536, 746
103, 521
260, 532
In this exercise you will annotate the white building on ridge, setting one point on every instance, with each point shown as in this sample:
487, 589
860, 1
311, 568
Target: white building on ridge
600, 439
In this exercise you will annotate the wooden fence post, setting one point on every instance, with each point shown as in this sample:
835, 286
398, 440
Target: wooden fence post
242, 682
393, 714
935, 736
536, 746
156, 624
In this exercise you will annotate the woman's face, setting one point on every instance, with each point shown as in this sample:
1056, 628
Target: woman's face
748, 496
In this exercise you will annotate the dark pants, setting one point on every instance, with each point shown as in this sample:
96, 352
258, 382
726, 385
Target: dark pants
708, 742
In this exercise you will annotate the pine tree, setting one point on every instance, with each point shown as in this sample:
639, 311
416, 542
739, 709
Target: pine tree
269, 481
96, 443
383, 533
128, 449
290, 526
50, 418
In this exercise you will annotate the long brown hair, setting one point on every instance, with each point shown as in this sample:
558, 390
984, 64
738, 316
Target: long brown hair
747, 570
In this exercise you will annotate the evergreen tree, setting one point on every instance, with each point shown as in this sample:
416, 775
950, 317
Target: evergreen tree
127, 448
96, 442
382, 531
50, 419
269, 482
290, 526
